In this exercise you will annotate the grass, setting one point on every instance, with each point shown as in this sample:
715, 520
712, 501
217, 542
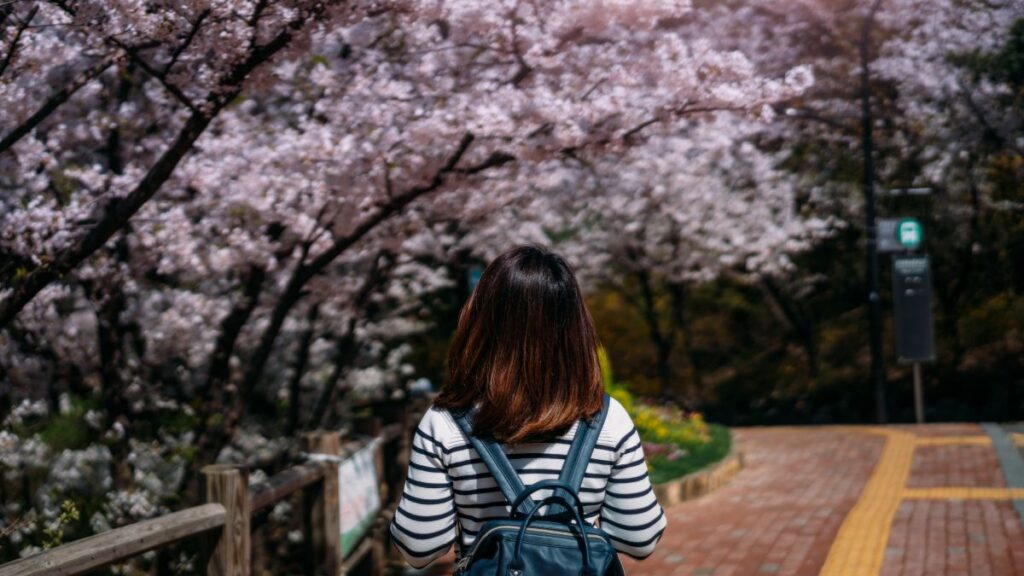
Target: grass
695, 455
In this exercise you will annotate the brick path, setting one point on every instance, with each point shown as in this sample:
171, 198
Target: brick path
892, 501
781, 512
858, 501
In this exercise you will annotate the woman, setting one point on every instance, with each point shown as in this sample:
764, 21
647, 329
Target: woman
525, 356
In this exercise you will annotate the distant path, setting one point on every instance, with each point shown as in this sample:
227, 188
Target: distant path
858, 501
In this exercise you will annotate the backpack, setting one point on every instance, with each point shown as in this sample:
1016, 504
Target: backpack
530, 544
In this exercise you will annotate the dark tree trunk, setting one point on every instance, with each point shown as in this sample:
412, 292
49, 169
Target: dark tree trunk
299, 370
215, 411
662, 342
798, 320
109, 335
346, 348
682, 319
344, 353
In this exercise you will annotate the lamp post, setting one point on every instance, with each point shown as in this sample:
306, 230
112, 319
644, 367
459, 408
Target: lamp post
867, 149
870, 208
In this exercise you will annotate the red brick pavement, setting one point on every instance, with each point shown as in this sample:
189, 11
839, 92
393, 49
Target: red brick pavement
778, 516
938, 430
955, 538
939, 466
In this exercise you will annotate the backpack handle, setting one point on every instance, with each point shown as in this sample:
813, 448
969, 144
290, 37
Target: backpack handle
515, 566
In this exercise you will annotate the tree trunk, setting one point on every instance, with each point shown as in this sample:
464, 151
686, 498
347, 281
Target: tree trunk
682, 320
798, 321
215, 411
662, 342
346, 348
301, 361
111, 348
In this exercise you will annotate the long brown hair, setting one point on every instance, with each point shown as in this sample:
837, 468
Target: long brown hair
525, 350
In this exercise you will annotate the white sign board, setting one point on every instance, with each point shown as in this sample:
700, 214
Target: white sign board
886, 235
358, 496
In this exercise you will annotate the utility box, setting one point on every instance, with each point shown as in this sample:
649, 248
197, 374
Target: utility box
912, 306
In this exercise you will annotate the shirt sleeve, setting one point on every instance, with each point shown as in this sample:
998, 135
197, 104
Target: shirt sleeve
423, 528
631, 515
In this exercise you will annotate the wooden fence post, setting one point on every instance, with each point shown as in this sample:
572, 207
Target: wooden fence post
381, 535
321, 515
229, 486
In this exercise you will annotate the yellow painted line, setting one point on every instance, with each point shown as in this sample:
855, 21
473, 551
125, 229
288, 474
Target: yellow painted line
964, 493
1018, 438
953, 441
859, 547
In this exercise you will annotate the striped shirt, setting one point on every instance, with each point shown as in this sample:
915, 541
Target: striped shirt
449, 484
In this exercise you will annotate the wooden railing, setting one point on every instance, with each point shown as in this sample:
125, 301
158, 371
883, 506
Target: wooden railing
223, 523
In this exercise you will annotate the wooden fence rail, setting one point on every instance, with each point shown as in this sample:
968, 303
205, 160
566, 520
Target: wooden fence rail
108, 547
224, 520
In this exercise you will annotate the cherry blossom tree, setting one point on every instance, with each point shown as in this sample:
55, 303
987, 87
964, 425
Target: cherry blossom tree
937, 122
217, 208
685, 209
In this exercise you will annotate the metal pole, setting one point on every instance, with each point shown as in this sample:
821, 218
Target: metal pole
867, 148
918, 394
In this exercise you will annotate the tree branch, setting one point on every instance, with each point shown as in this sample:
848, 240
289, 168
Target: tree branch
293, 291
120, 210
17, 38
141, 62
345, 349
185, 44
54, 102
115, 216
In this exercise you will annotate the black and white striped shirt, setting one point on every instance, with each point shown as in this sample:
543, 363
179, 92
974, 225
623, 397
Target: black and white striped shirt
448, 482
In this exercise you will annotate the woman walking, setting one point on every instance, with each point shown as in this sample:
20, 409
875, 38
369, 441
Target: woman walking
524, 376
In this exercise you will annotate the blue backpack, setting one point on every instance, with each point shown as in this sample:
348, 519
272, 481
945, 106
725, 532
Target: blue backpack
530, 544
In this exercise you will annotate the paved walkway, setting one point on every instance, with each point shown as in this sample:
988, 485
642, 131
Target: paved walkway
858, 501
862, 501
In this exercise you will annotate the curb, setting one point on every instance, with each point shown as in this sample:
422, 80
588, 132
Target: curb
701, 482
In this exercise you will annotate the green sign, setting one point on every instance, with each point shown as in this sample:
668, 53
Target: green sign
910, 233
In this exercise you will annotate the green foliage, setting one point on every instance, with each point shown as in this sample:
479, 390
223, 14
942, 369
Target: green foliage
676, 442
759, 365
66, 431
53, 535
665, 426
695, 456
176, 422
1005, 65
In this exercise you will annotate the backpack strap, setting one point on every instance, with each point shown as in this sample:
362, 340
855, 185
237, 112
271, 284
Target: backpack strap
571, 476
578, 457
583, 446
497, 463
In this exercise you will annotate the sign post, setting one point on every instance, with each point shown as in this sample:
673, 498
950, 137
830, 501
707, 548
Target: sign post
912, 305
912, 292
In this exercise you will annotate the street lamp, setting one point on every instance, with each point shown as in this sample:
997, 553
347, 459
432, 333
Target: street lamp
867, 148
